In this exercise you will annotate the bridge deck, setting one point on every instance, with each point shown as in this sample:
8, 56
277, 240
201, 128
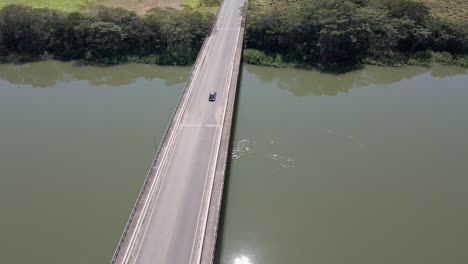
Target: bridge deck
176, 215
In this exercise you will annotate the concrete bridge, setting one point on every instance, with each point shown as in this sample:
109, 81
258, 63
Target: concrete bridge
175, 217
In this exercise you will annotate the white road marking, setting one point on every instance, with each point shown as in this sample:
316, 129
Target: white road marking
217, 154
149, 204
163, 161
164, 170
200, 125
227, 29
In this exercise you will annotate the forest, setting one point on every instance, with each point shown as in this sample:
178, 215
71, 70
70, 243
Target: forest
278, 33
330, 32
108, 35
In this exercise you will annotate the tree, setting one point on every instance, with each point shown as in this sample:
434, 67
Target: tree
418, 12
411, 36
23, 31
182, 34
103, 40
449, 36
344, 33
68, 37
383, 36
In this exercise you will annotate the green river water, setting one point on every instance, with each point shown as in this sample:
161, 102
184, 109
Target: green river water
364, 167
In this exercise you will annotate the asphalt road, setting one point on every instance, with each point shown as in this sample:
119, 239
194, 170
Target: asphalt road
172, 228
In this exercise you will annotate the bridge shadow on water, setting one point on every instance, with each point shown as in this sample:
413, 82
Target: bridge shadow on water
220, 235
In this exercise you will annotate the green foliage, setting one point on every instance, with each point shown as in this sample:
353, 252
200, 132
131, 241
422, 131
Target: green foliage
420, 58
389, 58
442, 57
102, 40
200, 3
462, 61
449, 59
184, 33
24, 30
210, 2
417, 12
192, 3
343, 32
253, 56
107, 36
351, 31
62, 5
151, 59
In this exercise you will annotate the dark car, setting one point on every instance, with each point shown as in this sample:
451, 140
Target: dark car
212, 96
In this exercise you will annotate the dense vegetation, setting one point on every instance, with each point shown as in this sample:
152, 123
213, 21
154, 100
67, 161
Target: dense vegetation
105, 36
279, 33
352, 31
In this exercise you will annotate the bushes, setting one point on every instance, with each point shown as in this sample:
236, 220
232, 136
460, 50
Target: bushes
421, 58
352, 31
103, 40
24, 30
107, 36
343, 33
306, 32
257, 57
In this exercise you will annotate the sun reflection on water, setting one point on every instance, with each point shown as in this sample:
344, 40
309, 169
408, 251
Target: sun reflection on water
242, 260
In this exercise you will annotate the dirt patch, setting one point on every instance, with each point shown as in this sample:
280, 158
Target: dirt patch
455, 10
141, 6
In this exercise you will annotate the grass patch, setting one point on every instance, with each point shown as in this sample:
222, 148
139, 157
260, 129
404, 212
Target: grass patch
63, 5
139, 6
454, 10
209, 9
192, 3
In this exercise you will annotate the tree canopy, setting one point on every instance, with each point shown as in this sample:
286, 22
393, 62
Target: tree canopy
109, 35
349, 31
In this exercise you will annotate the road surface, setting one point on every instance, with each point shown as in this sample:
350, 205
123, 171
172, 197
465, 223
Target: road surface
171, 226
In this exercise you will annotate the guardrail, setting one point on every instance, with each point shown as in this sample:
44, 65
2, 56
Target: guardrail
169, 129
214, 206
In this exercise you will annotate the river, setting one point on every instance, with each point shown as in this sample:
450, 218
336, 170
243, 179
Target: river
75, 146
365, 167
368, 166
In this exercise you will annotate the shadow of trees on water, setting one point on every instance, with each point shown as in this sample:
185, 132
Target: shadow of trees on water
47, 74
331, 82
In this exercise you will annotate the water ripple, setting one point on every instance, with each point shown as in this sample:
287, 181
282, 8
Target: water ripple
241, 148
284, 161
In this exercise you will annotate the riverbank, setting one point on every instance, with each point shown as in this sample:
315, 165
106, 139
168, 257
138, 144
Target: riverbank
68, 131
359, 168
106, 36
425, 58
335, 32
297, 33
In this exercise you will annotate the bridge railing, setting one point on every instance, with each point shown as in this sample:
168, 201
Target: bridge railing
164, 141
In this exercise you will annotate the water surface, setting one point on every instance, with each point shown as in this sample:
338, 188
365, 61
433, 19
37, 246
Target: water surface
365, 167
75, 146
